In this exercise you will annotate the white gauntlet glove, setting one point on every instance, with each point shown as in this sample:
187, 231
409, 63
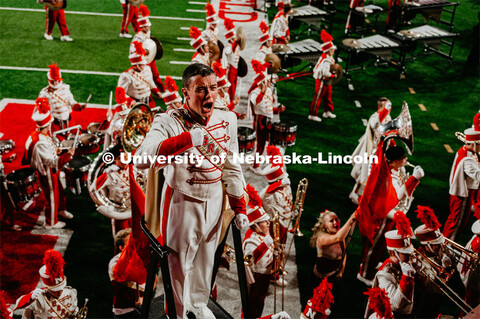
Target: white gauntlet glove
407, 269
36, 294
241, 221
281, 315
197, 136
268, 240
418, 172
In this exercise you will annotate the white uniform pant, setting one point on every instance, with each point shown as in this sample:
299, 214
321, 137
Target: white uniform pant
191, 228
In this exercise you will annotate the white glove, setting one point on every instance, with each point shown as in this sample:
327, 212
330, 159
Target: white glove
241, 221
407, 269
418, 172
197, 136
281, 315
446, 261
268, 240
36, 294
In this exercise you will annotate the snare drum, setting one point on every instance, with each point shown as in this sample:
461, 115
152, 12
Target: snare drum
23, 185
6, 146
87, 144
246, 140
92, 128
283, 134
76, 172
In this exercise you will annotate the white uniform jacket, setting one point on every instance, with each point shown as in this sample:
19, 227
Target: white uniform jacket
322, 68
137, 84
44, 154
46, 307
198, 179
262, 254
404, 187
262, 105
262, 53
465, 176
117, 184
232, 55
201, 58
61, 100
279, 26
279, 201
210, 35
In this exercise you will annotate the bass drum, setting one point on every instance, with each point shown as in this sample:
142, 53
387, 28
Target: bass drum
100, 195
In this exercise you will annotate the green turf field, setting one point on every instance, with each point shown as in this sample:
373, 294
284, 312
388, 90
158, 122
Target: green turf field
449, 91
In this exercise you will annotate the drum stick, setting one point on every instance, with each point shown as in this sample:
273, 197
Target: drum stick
88, 99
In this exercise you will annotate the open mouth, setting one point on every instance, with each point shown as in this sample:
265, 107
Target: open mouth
207, 106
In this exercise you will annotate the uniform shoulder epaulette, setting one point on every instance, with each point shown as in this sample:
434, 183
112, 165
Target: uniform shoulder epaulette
221, 108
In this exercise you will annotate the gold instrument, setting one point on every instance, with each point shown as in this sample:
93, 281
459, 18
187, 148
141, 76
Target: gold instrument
82, 312
439, 277
463, 255
242, 38
274, 61
137, 124
278, 257
229, 253
297, 207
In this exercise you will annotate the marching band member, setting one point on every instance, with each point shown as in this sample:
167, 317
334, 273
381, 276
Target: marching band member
42, 155
404, 186
318, 307
464, 181
60, 98
280, 31
171, 97
190, 208
56, 300
137, 81
396, 275
143, 34
57, 16
321, 73
277, 196
202, 54
129, 15
232, 55
266, 43
367, 145
261, 109
223, 99
258, 246
210, 34
126, 294
470, 273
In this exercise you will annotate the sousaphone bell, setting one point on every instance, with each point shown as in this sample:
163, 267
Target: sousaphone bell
401, 127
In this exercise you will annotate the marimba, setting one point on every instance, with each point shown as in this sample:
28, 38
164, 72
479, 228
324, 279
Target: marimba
310, 15
430, 9
307, 50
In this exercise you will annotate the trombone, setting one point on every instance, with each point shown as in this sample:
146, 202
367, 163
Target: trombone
463, 255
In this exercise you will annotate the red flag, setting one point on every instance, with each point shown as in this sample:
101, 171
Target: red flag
378, 199
133, 262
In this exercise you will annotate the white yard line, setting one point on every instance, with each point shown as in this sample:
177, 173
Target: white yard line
196, 2
184, 39
196, 10
183, 50
188, 28
103, 14
19, 68
181, 62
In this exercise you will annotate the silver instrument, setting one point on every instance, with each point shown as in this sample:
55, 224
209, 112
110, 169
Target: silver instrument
308, 50
401, 127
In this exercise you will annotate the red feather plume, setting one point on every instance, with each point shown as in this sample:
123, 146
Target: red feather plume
272, 150
403, 224
144, 10
139, 47
476, 211
263, 27
280, 6
170, 84
254, 199
4, 312
379, 302
210, 10
42, 104
195, 32
476, 122
54, 263
120, 95
55, 72
258, 66
427, 216
325, 36
218, 69
322, 297
229, 24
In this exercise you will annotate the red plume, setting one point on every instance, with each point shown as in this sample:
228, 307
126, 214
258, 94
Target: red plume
170, 84
254, 199
144, 10
42, 104
55, 72
476, 122
258, 66
322, 297
218, 69
403, 224
120, 95
195, 32
379, 302
139, 48
54, 263
210, 10
263, 27
280, 6
325, 36
272, 150
229, 24
427, 216
4, 312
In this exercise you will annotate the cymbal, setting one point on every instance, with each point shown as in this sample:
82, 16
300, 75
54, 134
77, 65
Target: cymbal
275, 63
243, 37
280, 48
364, 10
408, 33
338, 70
352, 43
151, 47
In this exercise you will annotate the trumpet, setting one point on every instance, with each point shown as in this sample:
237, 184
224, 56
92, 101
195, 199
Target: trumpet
82, 312
469, 257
